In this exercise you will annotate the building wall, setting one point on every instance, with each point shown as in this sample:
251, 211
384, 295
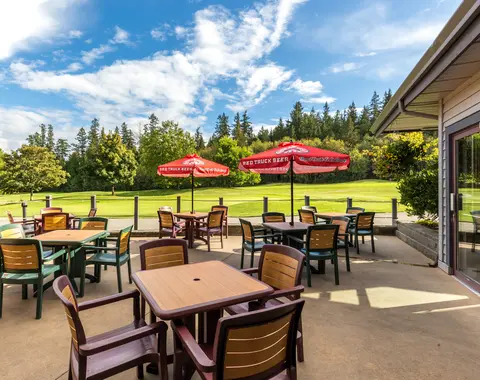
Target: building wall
462, 102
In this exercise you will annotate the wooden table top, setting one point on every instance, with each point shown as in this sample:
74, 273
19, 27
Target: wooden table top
328, 215
286, 227
70, 237
189, 215
184, 290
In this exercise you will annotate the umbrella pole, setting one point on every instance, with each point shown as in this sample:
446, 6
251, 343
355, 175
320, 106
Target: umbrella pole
192, 193
291, 191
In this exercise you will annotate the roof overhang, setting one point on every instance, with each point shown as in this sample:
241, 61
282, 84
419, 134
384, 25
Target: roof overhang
452, 59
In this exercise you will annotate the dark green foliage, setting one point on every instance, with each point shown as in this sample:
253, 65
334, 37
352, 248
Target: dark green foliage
199, 141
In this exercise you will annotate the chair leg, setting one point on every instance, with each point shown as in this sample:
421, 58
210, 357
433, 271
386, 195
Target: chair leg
119, 278
221, 239
252, 257
24, 291
99, 274
347, 256
82, 279
373, 243
129, 264
242, 257
208, 241
363, 239
162, 350
335, 263
140, 371
226, 228
39, 300
356, 244
1, 298
300, 342
309, 273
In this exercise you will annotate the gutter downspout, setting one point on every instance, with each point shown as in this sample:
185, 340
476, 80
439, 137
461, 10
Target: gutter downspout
423, 115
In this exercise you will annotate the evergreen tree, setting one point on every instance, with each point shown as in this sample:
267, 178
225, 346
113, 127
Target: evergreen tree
295, 123
127, 137
264, 134
43, 135
153, 123
280, 131
93, 134
386, 97
238, 131
364, 123
246, 126
222, 127
81, 142
50, 141
199, 141
374, 107
61, 150
327, 123
352, 112
34, 139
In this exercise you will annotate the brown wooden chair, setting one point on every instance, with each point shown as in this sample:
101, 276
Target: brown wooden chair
116, 351
55, 221
51, 210
274, 217
306, 216
168, 225
92, 213
162, 253
30, 226
363, 227
259, 345
280, 267
354, 210
225, 216
213, 226
342, 236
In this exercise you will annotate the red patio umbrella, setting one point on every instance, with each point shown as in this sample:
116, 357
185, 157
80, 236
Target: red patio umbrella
296, 157
192, 165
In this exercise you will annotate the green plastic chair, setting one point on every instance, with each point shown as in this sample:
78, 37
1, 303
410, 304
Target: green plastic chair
363, 227
320, 245
120, 255
249, 240
22, 263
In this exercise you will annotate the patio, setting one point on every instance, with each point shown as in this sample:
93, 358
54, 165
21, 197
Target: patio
386, 320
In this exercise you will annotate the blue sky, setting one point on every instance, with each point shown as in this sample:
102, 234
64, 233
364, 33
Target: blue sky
65, 62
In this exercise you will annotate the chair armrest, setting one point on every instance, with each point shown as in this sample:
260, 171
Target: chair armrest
119, 340
55, 255
109, 299
295, 239
249, 270
295, 291
201, 360
95, 248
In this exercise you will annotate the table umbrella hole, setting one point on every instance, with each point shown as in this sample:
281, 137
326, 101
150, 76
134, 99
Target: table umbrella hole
196, 279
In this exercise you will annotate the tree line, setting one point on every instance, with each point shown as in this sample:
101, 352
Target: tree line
128, 159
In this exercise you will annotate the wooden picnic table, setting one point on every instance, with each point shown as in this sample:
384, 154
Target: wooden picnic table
204, 288
191, 225
71, 239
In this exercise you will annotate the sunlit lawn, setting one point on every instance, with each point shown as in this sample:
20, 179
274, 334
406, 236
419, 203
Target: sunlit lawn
374, 195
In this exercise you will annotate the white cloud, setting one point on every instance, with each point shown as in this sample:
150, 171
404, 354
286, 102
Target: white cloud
344, 67
369, 54
75, 34
221, 46
23, 24
161, 32
180, 32
89, 41
319, 100
306, 87
121, 36
74, 67
90, 56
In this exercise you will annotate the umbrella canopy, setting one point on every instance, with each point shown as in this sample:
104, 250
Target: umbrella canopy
296, 157
192, 165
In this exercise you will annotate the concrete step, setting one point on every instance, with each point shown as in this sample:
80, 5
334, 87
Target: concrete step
418, 245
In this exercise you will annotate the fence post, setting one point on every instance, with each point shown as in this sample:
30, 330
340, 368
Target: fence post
93, 201
48, 201
24, 210
349, 202
135, 213
265, 204
394, 211
220, 201
307, 200
179, 203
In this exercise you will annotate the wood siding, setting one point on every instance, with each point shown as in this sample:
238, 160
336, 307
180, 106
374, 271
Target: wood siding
462, 102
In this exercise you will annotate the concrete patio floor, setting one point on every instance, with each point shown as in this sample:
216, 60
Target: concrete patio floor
386, 320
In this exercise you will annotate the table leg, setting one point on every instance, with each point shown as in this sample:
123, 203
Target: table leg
212, 318
190, 233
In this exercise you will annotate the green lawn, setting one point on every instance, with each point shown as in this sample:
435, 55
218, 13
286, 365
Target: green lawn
374, 195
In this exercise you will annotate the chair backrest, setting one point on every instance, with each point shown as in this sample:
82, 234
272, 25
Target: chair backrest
123, 240
163, 253
64, 291
221, 208
257, 345
342, 223
273, 217
280, 266
311, 208
12, 231
215, 219
247, 230
306, 216
476, 218
10, 217
322, 237
55, 221
51, 210
21, 255
365, 221
166, 208
165, 218
354, 210
93, 223
92, 212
